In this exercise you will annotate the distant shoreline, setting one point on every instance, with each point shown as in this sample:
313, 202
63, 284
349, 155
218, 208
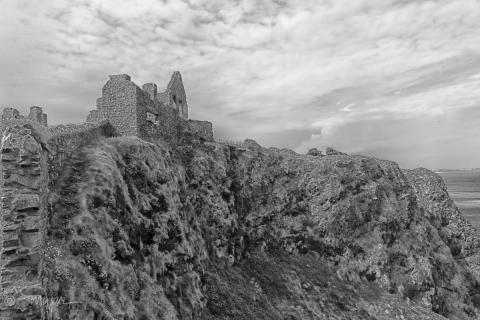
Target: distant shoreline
464, 189
454, 170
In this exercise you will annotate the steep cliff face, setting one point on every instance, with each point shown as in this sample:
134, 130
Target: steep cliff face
455, 230
210, 231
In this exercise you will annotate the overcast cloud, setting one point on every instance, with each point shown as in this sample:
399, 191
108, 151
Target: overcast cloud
396, 79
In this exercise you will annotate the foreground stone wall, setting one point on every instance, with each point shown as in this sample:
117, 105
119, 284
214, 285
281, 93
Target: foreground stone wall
30, 160
23, 184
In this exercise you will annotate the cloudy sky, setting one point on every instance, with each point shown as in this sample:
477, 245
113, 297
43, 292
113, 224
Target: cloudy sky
396, 79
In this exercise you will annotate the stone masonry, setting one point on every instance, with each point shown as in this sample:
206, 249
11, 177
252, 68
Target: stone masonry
119, 104
177, 95
22, 196
147, 113
36, 117
33, 154
31, 158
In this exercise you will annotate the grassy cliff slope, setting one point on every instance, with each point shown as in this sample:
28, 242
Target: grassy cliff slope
139, 230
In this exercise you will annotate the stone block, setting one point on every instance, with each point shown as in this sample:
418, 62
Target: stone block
31, 239
5, 273
31, 223
24, 261
10, 235
9, 156
11, 227
10, 244
19, 179
10, 223
26, 201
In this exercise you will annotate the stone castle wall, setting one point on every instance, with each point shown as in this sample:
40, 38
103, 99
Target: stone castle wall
32, 155
147, 113
177, 96
202, 129
36, 119
95, 116
119, 104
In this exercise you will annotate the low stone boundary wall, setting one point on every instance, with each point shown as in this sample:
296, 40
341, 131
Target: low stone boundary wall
23, 183
31, 158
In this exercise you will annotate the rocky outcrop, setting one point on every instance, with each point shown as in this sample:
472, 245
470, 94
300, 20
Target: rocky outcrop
456, 231
332, 152
102, 227
314, 152
211, 231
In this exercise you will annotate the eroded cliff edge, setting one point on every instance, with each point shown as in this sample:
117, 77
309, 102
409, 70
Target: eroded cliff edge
141, 230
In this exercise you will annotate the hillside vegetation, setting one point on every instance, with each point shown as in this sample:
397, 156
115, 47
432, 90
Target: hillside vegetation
141, 230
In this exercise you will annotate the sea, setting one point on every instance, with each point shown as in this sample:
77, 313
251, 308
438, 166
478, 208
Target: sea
464, 189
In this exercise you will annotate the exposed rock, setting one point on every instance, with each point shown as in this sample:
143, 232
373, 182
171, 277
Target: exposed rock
252, 144
332, 152
456, 231
26, 201
315, 152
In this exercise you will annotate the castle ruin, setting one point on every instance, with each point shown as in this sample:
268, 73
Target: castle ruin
32, 155
147, 113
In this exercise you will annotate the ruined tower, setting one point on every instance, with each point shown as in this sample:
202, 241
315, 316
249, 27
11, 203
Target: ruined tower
177, 94
119, 104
